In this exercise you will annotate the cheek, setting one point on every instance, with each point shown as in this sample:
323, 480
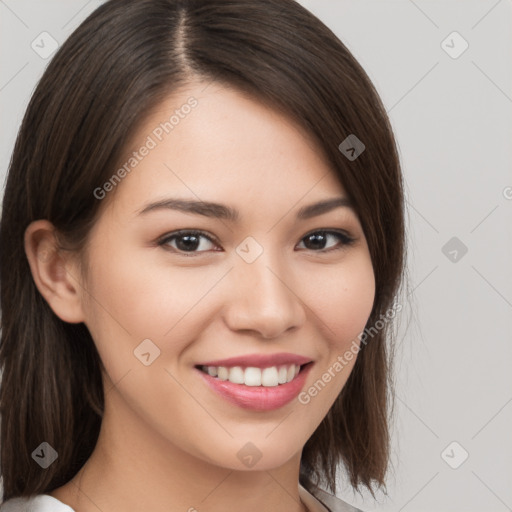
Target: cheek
342, 305
343, 299
121, 294
144, 296
133, 297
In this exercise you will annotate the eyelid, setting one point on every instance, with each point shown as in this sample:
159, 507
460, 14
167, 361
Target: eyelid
346, 239
338, 231
175, 234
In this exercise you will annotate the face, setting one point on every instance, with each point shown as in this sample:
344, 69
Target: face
173, 291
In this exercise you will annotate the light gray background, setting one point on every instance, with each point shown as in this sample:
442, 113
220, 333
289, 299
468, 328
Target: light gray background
453, 122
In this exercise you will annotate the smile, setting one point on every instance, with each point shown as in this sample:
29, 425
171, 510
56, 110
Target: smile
257, 382
252, 376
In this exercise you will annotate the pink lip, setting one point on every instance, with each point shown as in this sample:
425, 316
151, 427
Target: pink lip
259, 360
257, 398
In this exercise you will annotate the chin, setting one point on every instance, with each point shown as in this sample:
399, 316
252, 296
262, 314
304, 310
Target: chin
254, 453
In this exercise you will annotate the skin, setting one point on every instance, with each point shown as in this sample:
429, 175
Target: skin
162, 424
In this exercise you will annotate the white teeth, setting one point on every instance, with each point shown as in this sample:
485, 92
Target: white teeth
269, 377
281, 375
251, 376
236, 375
222, 373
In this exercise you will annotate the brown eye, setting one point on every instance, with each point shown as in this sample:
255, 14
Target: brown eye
187, 242
318, 240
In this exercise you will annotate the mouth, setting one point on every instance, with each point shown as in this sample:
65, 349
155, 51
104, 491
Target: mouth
269, 376
257, 382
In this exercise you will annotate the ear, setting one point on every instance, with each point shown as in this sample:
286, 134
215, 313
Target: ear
55, 272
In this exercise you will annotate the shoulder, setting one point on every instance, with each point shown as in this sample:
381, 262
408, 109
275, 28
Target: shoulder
322, 501
36, 503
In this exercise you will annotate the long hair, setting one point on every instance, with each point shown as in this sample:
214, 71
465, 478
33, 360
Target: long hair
122, 61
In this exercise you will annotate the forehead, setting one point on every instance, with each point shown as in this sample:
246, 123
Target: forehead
214, 142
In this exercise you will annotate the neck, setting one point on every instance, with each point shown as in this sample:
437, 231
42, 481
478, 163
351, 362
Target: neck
133, 469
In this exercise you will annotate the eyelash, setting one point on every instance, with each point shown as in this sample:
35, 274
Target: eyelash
344, 239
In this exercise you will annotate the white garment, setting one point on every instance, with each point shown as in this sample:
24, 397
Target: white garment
47, 503
37, 503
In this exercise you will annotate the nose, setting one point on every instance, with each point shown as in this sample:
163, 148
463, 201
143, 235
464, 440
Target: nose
265, 300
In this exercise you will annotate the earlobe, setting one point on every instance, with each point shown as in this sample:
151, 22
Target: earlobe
54, 271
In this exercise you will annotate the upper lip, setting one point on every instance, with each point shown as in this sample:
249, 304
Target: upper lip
260, 360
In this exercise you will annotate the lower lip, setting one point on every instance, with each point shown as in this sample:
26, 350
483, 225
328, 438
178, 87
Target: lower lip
258, 398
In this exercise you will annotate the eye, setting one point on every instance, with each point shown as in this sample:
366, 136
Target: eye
317, 240
192, 242
187, 242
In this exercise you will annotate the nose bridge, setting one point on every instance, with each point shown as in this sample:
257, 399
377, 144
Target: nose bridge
264, 279
264, 300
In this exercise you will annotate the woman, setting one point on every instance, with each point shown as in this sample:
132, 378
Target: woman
202, 240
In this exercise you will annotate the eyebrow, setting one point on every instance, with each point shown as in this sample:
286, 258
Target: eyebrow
222, 211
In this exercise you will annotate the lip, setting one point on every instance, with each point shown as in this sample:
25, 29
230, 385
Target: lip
257, 398
260, 360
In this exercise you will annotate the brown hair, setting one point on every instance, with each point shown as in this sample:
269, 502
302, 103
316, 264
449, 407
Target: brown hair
123, 60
